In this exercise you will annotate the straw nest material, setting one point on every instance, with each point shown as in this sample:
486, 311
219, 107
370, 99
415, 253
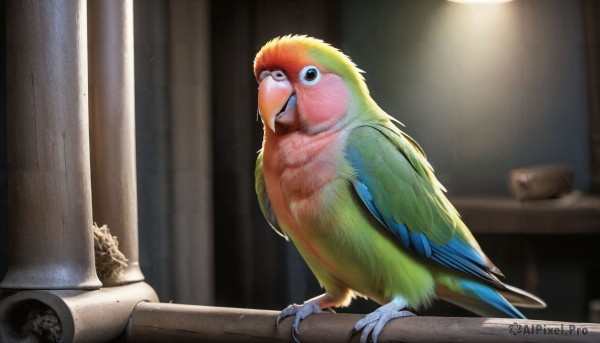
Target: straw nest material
41, 326
109, 260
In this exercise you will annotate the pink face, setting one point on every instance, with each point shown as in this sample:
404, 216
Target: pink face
311, 101
322, 104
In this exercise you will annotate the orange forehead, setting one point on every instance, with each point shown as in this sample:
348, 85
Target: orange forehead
287, 56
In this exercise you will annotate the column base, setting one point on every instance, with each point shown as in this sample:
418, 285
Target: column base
82, 316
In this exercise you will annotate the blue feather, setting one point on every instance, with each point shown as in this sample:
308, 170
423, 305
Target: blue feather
490, 296
400, 231
461, 256
420, 243
367, 198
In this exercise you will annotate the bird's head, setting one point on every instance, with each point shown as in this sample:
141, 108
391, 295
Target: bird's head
305, 84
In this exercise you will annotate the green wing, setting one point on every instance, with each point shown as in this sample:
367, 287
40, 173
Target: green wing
397, 185
263, 198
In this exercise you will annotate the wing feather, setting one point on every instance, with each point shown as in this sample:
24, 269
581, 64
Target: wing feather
397, 185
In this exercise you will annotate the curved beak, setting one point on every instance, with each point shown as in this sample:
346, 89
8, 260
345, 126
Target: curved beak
273, 96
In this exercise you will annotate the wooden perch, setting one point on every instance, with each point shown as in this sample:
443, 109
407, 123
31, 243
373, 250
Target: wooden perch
160, 322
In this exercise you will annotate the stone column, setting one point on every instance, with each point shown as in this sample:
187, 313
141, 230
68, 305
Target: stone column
112, 127
50, 203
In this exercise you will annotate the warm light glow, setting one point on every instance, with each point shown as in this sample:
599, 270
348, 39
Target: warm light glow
479, 1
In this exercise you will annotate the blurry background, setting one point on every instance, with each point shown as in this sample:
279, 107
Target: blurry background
483, 88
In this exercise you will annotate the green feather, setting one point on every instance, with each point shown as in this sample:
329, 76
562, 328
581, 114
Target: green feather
263, 198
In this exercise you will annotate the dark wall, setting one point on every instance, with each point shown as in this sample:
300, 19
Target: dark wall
153, 143
484, 88
3, 156
254, 266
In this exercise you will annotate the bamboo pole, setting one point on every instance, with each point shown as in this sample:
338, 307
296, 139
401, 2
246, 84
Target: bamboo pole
50, 210
159, 322
112, 127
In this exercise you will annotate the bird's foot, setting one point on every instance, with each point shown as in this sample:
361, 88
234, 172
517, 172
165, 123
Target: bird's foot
373, 323
300, 312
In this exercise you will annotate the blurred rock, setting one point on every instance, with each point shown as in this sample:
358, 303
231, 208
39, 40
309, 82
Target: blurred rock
540, 182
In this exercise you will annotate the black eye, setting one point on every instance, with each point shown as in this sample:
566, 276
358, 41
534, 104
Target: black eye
310, 75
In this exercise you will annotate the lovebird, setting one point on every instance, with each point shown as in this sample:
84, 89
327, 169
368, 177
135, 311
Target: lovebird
358, 197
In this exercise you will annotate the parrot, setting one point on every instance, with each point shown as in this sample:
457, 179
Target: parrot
358, 197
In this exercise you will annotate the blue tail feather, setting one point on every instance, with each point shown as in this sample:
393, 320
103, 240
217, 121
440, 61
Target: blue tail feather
485, 296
